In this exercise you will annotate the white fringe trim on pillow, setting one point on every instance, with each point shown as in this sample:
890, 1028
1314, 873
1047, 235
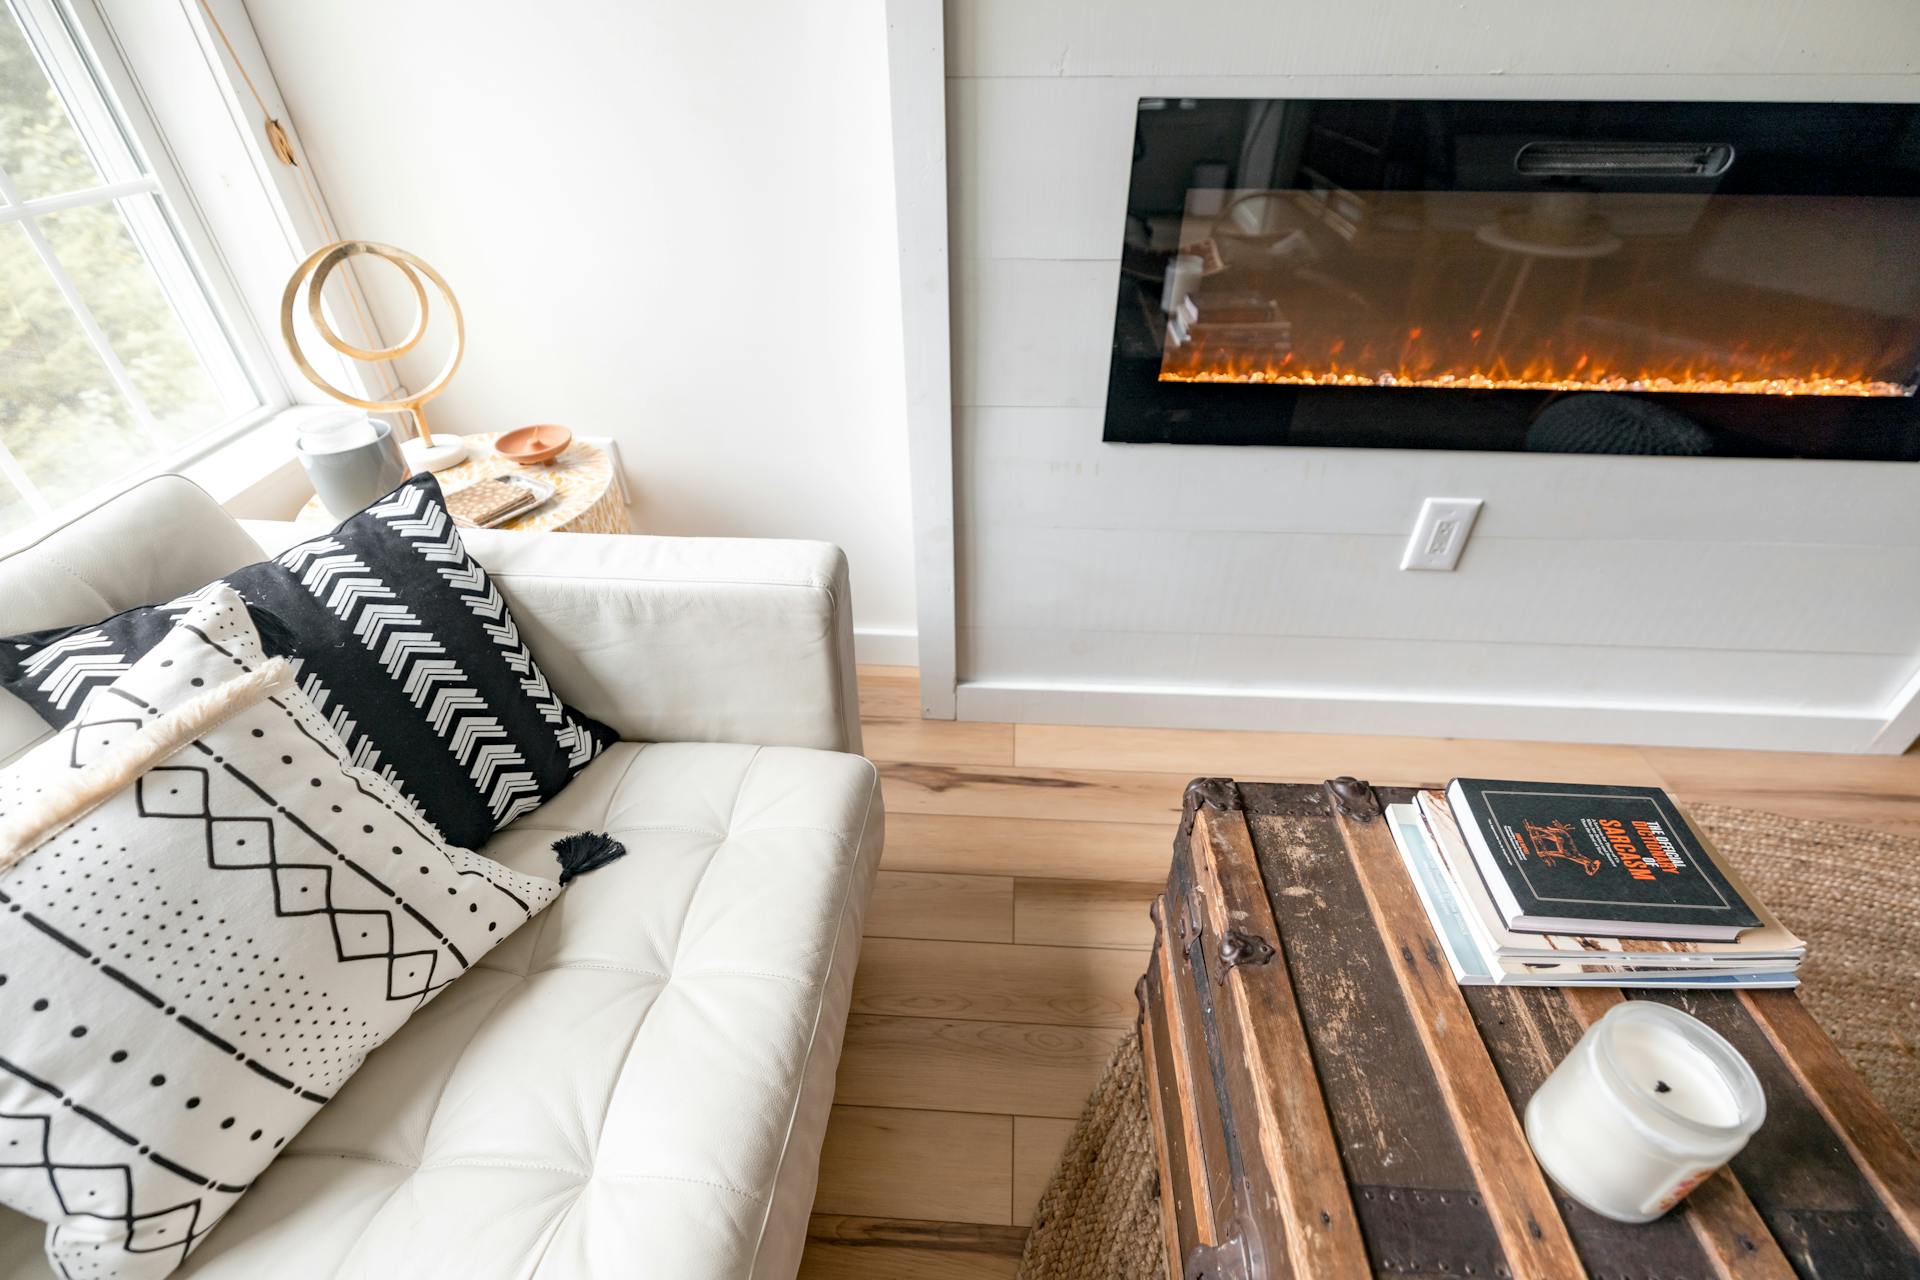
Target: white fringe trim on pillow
71, 796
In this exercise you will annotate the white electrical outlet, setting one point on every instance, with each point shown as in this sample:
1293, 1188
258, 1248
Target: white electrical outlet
1440, 533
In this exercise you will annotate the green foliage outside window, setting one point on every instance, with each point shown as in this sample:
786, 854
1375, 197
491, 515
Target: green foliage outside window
62, 419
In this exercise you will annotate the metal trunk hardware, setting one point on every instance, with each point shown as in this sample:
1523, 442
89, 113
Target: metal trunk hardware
1239, 948
1354, 799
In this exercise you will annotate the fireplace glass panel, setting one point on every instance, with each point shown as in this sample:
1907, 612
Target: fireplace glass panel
1577, 291
1643, 277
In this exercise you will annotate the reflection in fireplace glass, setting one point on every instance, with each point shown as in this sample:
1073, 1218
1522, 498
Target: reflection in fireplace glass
1701, 264
1556, 291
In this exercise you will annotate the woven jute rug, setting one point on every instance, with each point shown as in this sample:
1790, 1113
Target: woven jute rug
1100, 1216
1853, 894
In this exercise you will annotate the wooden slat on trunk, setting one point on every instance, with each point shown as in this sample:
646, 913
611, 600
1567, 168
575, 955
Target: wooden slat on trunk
1420, 1211
1180, 1226
1295, 1139
1844, 1099
1187, 1086
1515, 1191
1186, 1017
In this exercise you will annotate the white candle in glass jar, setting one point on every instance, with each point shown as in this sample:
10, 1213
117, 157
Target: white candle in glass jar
1649, 1103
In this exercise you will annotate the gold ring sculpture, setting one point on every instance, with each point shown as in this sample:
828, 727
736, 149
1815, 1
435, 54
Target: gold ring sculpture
313, 273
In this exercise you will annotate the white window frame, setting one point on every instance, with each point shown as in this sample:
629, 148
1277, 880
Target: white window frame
125, 172
153, 75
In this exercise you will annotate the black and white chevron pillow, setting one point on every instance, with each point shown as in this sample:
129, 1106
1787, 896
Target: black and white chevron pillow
402, 642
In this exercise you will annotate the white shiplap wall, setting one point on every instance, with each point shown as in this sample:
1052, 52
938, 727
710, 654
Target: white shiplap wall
1750, 603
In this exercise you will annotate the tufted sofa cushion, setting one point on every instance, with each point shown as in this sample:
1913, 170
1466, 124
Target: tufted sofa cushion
636, 1083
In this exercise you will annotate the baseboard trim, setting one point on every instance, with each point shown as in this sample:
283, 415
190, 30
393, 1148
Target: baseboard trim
886, 646
1388, 712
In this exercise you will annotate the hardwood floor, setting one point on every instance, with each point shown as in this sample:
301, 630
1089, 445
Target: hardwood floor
1010, 922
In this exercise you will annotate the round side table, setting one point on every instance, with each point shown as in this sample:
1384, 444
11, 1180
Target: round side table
588, 495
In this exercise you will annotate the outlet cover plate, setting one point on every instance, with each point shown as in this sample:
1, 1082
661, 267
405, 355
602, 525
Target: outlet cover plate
1440, 534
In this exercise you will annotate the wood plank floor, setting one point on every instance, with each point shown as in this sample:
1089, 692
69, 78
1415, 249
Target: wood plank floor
1010, 922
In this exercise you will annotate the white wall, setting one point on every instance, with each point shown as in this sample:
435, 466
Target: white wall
671, 223
1727, 602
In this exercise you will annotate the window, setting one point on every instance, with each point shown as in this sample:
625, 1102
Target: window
113, 354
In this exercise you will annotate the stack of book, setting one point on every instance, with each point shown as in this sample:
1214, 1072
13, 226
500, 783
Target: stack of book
1543, 884
494, 501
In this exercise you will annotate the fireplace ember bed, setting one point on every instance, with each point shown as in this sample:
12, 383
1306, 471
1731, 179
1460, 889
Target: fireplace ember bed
1678, 278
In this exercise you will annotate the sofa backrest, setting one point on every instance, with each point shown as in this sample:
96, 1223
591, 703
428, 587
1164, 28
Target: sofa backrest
159, 539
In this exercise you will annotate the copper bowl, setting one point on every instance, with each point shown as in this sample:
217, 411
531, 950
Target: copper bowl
528, 445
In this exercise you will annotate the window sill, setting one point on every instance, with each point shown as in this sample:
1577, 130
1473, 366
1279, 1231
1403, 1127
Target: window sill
230, 467
248, 466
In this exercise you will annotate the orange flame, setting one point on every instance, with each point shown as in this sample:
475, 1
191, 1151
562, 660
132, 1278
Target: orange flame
1486, 382
1584, 372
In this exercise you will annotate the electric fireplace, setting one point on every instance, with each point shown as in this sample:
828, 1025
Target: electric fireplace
1731, 279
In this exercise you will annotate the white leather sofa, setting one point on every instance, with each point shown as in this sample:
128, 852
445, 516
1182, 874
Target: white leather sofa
636, 1084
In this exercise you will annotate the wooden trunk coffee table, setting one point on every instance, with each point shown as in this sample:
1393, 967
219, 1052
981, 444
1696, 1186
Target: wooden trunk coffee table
1328, 1102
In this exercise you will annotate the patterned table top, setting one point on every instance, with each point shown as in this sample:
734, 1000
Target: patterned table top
590, 492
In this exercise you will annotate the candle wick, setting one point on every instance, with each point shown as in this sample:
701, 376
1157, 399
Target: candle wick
1661, 1086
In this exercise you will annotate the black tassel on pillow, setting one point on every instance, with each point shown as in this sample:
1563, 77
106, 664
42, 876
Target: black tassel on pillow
276, 637
586, 852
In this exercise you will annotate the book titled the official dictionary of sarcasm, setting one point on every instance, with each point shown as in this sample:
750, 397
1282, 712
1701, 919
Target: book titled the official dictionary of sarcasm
1561, 858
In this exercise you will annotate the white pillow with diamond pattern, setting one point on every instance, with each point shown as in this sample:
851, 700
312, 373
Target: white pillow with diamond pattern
191, 967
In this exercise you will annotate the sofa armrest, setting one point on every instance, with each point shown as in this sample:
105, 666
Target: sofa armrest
679, 639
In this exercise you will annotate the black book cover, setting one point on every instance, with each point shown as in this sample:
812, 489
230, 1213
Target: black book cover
1601, 853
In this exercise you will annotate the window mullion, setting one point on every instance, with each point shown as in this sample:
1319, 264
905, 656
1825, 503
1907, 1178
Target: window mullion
153, 232
91, 327
16, 475
107, 194
79, 91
